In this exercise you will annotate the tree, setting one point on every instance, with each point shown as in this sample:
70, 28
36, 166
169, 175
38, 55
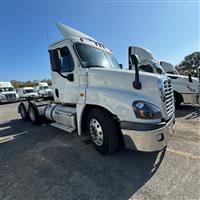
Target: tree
190, 64
17, 84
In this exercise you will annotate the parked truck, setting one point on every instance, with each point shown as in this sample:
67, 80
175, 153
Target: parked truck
186, 89
94, 96
44, 90
27, 92
7, 93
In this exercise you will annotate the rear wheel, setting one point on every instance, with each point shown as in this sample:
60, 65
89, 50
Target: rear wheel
177, 99
33, 113
103, 131
24, 114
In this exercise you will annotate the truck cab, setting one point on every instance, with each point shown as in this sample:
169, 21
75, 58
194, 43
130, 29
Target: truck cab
7, 93
186, 89
44, 90
27, 92
93, 95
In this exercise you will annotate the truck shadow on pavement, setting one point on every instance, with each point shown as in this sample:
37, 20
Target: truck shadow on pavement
42, 162
192, 112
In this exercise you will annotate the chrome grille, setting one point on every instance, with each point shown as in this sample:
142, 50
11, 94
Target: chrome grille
10, 97
169, 97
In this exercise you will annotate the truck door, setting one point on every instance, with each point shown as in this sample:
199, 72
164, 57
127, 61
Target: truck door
65, 76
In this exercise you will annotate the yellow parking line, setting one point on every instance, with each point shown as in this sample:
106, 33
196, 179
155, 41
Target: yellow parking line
184, 154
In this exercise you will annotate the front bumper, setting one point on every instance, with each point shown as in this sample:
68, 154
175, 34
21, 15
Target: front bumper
147, 137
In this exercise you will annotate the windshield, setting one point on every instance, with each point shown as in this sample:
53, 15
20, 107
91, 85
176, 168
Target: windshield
94, 57
158, 68
146, 68
150, 68
43, 87
29, 91
8, 89
173, 72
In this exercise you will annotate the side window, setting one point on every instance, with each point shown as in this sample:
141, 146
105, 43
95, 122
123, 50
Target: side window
66, 60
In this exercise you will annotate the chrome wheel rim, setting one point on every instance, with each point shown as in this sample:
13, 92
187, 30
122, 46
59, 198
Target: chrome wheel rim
96, 132
32, 114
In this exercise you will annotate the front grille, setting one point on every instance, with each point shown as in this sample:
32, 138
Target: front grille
10, 97
169, 97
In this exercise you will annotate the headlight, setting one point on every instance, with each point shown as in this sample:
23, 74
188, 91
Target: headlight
145, 110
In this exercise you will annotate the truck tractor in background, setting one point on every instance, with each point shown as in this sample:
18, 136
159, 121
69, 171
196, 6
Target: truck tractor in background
44, 90
27, 92
186, 89
94, 96
7, 93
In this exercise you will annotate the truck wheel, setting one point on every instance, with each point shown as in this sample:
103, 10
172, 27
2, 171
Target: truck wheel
33, 113
103, 131
177, 99
24, 114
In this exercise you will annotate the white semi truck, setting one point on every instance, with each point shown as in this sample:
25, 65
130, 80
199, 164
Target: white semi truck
27, 92
7, 93
186, 89
44, 90
93, 95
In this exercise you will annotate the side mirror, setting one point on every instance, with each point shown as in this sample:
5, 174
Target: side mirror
190, 78
121, 66
55, 59
134, 60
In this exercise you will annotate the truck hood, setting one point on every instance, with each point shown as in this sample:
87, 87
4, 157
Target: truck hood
123, 80
183, 80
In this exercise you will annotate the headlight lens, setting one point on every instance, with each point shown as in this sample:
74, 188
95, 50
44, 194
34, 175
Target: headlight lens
145, 110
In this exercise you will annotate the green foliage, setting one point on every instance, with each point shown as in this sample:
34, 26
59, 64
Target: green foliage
190, 64
17, 84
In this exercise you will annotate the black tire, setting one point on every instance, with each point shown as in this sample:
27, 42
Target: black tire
34, 114
110, 131
177, 100
23, 112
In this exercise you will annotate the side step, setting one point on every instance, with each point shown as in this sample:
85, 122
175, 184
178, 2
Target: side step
63, 127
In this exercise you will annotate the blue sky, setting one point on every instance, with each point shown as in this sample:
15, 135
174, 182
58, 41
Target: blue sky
169, 29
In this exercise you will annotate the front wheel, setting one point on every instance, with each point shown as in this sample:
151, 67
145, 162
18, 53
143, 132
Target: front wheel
177, 99
103, 131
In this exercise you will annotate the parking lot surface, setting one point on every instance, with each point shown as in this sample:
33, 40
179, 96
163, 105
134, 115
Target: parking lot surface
43, 162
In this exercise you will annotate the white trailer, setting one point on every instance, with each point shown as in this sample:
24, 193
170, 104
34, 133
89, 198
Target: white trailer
7, 93
27, 92
186, 89
94, 95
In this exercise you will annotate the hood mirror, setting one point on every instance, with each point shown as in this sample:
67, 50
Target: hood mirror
190, 78
133, 63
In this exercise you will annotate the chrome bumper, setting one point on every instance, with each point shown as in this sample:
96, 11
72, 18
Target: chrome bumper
148, 137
